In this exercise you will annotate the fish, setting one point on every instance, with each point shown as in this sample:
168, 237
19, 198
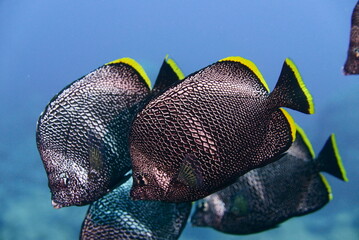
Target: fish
82, 133
116, 216
265, 197
218, 123
351, 65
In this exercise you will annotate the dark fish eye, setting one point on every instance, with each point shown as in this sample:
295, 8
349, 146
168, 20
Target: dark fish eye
141, 180
64, 180
203, 206
356, 52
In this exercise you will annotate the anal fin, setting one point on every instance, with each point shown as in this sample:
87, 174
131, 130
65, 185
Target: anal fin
279, 137
317, 194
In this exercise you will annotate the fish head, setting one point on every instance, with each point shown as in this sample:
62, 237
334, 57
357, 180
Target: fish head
209, 211
71, 182
149, 185
160, 182
351, 65
202, 214
141, 190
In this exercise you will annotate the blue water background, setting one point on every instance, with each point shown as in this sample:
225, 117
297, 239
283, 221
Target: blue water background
45, 45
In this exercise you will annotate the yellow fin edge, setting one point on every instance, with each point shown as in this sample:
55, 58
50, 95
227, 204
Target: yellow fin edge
306, 140
174, 67
338, 157
251, 66
291, 122
328, 187
306, 92
136, 66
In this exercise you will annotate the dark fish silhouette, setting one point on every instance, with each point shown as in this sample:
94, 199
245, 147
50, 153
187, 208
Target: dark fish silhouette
267, 196
82, 135
83, 130
116, 216
351, 65
199, 135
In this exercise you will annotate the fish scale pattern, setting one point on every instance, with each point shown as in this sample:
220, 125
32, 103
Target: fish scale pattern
219, 117
265, 197
351, 65
116, 216
91, 115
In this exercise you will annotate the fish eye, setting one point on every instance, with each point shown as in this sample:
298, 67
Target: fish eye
64, 180
141, 180
356, 52
203, 206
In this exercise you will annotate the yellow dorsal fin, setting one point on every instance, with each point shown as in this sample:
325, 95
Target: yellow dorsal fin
131, 62
174, 67
251, 66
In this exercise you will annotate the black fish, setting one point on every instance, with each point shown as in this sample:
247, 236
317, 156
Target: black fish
201, 134
264, 197
83, 130
82, 134
351, 65
116, 216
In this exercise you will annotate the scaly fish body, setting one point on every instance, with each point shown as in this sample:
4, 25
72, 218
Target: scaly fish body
116, 216
82, 133
265, 197
198, 136
351, 65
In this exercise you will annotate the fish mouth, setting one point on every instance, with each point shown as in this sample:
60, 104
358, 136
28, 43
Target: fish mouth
56, 205
348, 69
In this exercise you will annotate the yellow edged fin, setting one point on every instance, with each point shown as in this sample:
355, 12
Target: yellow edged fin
250, 65
328, 187
174, 67
291, 122
306, 140
131, 62
306, 92
338, 157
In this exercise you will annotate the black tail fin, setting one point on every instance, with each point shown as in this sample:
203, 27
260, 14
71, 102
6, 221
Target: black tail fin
329, 159
168, 74
291, 91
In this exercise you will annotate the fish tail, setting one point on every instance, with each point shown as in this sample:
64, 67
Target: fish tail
329, 159
316, 195
291, 91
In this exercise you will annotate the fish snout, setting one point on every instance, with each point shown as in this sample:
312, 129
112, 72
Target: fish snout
56, 205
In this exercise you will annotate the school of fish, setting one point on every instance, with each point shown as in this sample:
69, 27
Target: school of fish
256, 203
140, 155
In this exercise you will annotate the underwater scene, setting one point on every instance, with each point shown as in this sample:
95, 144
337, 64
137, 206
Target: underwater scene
179, 120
